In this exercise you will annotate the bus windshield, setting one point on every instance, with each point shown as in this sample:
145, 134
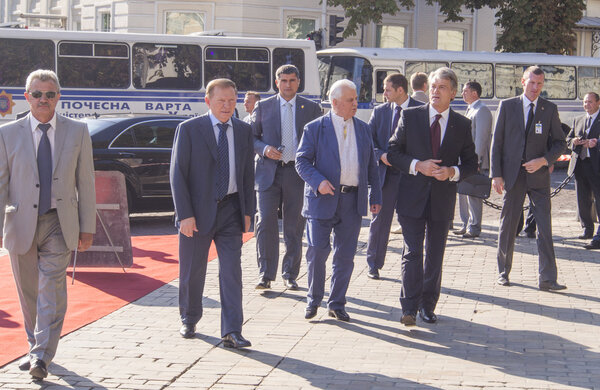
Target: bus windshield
356, 69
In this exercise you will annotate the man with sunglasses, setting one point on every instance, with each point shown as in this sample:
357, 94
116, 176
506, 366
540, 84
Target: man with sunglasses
48, 206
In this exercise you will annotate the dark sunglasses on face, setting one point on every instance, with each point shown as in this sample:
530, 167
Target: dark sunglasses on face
38, 94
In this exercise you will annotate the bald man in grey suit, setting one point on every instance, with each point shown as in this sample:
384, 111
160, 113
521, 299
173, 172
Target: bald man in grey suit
48, 205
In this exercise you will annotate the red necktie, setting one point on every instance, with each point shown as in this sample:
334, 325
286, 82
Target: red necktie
436, 133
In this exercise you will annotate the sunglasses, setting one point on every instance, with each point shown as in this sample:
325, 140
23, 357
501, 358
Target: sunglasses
38, 94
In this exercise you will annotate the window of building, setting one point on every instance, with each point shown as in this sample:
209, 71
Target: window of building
93, 65
104, 20
390, 36
184, 22
249, 68
297, 28
482, 73
162, 66
451, 40
39, 55
282, 56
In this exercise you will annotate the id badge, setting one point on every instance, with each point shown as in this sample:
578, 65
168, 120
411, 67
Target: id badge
538, 128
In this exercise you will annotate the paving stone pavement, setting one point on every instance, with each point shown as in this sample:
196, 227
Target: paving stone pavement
487, 336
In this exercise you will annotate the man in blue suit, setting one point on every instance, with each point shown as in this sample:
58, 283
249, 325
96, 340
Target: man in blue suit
383, 123
336, 160
427, 146
212, 180
277, 123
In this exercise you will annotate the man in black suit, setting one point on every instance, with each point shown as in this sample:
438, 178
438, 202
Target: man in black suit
427, 146
520, 161
585, 162
212, 180
383, 123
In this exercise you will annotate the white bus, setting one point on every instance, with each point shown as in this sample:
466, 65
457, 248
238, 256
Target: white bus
568, 78
109, 73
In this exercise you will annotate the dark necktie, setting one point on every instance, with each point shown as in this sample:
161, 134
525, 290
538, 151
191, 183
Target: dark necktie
588, 124
223, 162
529, 118
396, 119
44, 161
436, 133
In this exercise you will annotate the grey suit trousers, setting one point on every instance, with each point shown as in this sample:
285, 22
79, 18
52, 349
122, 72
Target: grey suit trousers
40, 276
288, 188
471, 209
509, 219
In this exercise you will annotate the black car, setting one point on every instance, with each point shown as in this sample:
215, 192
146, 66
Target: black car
140, 148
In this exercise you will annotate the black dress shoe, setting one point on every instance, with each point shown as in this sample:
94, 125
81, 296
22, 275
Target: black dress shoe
38, 370
503, 281
460, 232
587, 234
187, 331
263, 284
470, 235
428, 316
592, 245
25, 363
310, 312
290, 283
547, 286
530, 234
339, 314
408, 319
235, 340
373, 273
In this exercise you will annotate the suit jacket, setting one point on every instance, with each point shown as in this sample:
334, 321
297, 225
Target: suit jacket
577, 131
381, 129
412, 140
420, 96
508, 141
481, 131
72, 184
266, 126
318, 159
194, 169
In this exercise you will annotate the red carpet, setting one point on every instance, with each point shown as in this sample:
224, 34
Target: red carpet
96, 292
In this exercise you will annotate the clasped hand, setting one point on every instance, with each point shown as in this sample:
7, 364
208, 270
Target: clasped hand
432, 169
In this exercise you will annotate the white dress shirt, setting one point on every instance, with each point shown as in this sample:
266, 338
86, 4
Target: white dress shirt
37, 136
348, 150
526, 103
585, 151
443, 125
232, 188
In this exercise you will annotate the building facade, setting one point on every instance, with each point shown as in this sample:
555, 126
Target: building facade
422, 27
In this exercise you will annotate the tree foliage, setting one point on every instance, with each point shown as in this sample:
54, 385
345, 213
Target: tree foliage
528, 25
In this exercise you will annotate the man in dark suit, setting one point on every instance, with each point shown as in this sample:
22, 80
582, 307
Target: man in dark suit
212, 180
520, 159
383, 123
336, 160
277, 124
427, 146
585, 162
47, 208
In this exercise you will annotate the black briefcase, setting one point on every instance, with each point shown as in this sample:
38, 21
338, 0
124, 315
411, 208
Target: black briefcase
478, 185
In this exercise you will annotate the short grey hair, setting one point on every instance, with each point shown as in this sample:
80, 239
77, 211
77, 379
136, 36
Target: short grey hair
42, 75
335, 92
444, 74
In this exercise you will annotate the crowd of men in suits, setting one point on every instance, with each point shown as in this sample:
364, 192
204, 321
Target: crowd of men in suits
322, 172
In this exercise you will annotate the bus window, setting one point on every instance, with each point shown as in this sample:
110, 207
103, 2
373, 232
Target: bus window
248, 68
159, 66
295, 57
39, 55
93, 65
482, 73
380, 75
588, 80
355, 69
425, 67
559, 81
324, 68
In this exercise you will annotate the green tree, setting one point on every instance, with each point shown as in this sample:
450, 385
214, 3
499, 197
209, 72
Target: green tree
528, 25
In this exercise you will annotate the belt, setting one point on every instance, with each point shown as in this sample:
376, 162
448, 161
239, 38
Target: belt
227, 197
286, 164
347, 189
